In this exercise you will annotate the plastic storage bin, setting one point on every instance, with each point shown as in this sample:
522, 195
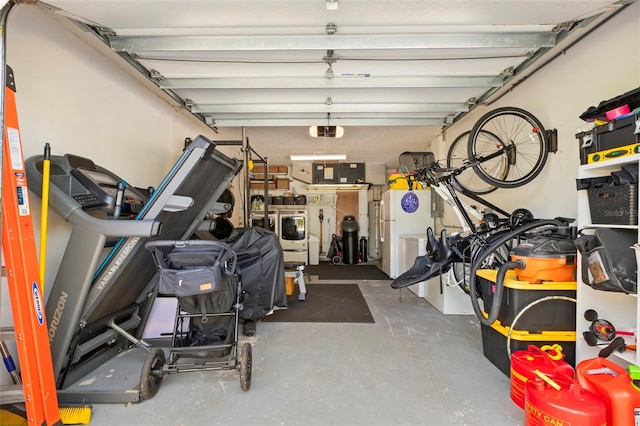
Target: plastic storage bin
615, 205
550, 315
494, 343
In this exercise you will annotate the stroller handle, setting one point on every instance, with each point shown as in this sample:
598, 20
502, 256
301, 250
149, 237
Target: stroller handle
228, 258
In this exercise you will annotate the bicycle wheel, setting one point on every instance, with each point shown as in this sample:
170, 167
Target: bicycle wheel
468, 179
522, 142
461, 270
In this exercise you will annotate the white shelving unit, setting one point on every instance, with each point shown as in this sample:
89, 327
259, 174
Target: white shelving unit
623, 310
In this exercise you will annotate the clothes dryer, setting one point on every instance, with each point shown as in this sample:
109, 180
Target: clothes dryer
294, 232
294, 235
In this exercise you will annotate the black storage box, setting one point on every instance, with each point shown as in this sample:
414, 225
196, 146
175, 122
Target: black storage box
614, 205
617, 133
278, 200
494, 344
587, 145
614, 134
288, 200
550, 315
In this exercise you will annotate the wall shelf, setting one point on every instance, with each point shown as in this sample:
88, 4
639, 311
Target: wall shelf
622, 310
336, 187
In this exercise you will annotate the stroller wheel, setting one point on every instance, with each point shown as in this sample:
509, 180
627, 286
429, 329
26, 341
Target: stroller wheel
152, 373
336, 260
245, 367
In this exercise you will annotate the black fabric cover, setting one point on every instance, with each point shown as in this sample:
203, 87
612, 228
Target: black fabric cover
261, 268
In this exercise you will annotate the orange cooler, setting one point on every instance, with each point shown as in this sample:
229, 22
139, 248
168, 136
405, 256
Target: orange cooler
615, 388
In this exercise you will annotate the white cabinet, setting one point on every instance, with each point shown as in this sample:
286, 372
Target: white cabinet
622, 310
448, 299
412, 246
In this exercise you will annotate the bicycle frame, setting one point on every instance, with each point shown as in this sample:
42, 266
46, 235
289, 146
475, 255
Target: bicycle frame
442, 256
463, 211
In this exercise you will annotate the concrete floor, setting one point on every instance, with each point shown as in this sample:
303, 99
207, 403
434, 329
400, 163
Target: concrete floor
414, 366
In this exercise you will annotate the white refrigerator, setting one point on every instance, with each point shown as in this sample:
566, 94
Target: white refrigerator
401, 212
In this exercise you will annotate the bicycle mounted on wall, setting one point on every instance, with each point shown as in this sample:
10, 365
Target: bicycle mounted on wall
507, 148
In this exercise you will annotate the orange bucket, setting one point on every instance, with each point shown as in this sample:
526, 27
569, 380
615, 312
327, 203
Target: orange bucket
289, 285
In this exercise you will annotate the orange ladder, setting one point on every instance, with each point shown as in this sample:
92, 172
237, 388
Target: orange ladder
21, 263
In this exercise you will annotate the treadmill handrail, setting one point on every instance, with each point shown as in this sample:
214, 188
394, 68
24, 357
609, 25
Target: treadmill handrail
115, 228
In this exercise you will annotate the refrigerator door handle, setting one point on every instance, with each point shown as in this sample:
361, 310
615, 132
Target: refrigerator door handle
381, 223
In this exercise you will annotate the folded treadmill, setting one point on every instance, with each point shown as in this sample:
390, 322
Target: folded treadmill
105, 286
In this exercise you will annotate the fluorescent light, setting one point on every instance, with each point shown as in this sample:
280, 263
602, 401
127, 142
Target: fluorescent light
319, 157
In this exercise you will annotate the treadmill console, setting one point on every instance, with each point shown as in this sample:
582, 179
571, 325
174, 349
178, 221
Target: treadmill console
99, 186
91, 187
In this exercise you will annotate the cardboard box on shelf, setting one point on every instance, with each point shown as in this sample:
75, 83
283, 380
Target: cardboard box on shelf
258, 184
282, 183
259, 168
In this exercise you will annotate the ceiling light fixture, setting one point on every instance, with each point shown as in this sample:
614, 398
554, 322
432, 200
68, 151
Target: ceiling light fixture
318, 157
332, 4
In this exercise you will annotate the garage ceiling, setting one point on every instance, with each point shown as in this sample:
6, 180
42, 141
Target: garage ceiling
287, 63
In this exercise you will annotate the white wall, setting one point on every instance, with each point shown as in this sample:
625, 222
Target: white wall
80, 102
603, 65
74, 98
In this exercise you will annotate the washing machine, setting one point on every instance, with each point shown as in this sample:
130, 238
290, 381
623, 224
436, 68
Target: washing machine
257, 220
294, 235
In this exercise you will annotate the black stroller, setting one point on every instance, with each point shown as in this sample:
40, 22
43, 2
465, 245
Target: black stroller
203, 276
335, 250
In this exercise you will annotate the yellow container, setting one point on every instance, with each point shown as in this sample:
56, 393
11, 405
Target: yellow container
401, 181
289, 285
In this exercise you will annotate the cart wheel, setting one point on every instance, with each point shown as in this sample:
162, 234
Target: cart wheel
152, 373
520, 217
245, 367
336, 260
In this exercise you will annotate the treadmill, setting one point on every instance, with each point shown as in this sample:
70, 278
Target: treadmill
106, 284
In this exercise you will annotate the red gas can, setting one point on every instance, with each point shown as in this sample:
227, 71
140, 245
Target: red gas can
613, 384
562, 402
548, 360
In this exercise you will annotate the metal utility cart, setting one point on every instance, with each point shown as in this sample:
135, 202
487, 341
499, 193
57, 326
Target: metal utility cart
203, 276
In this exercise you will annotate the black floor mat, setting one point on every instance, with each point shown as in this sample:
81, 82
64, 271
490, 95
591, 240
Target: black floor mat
328, 271
325, 303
